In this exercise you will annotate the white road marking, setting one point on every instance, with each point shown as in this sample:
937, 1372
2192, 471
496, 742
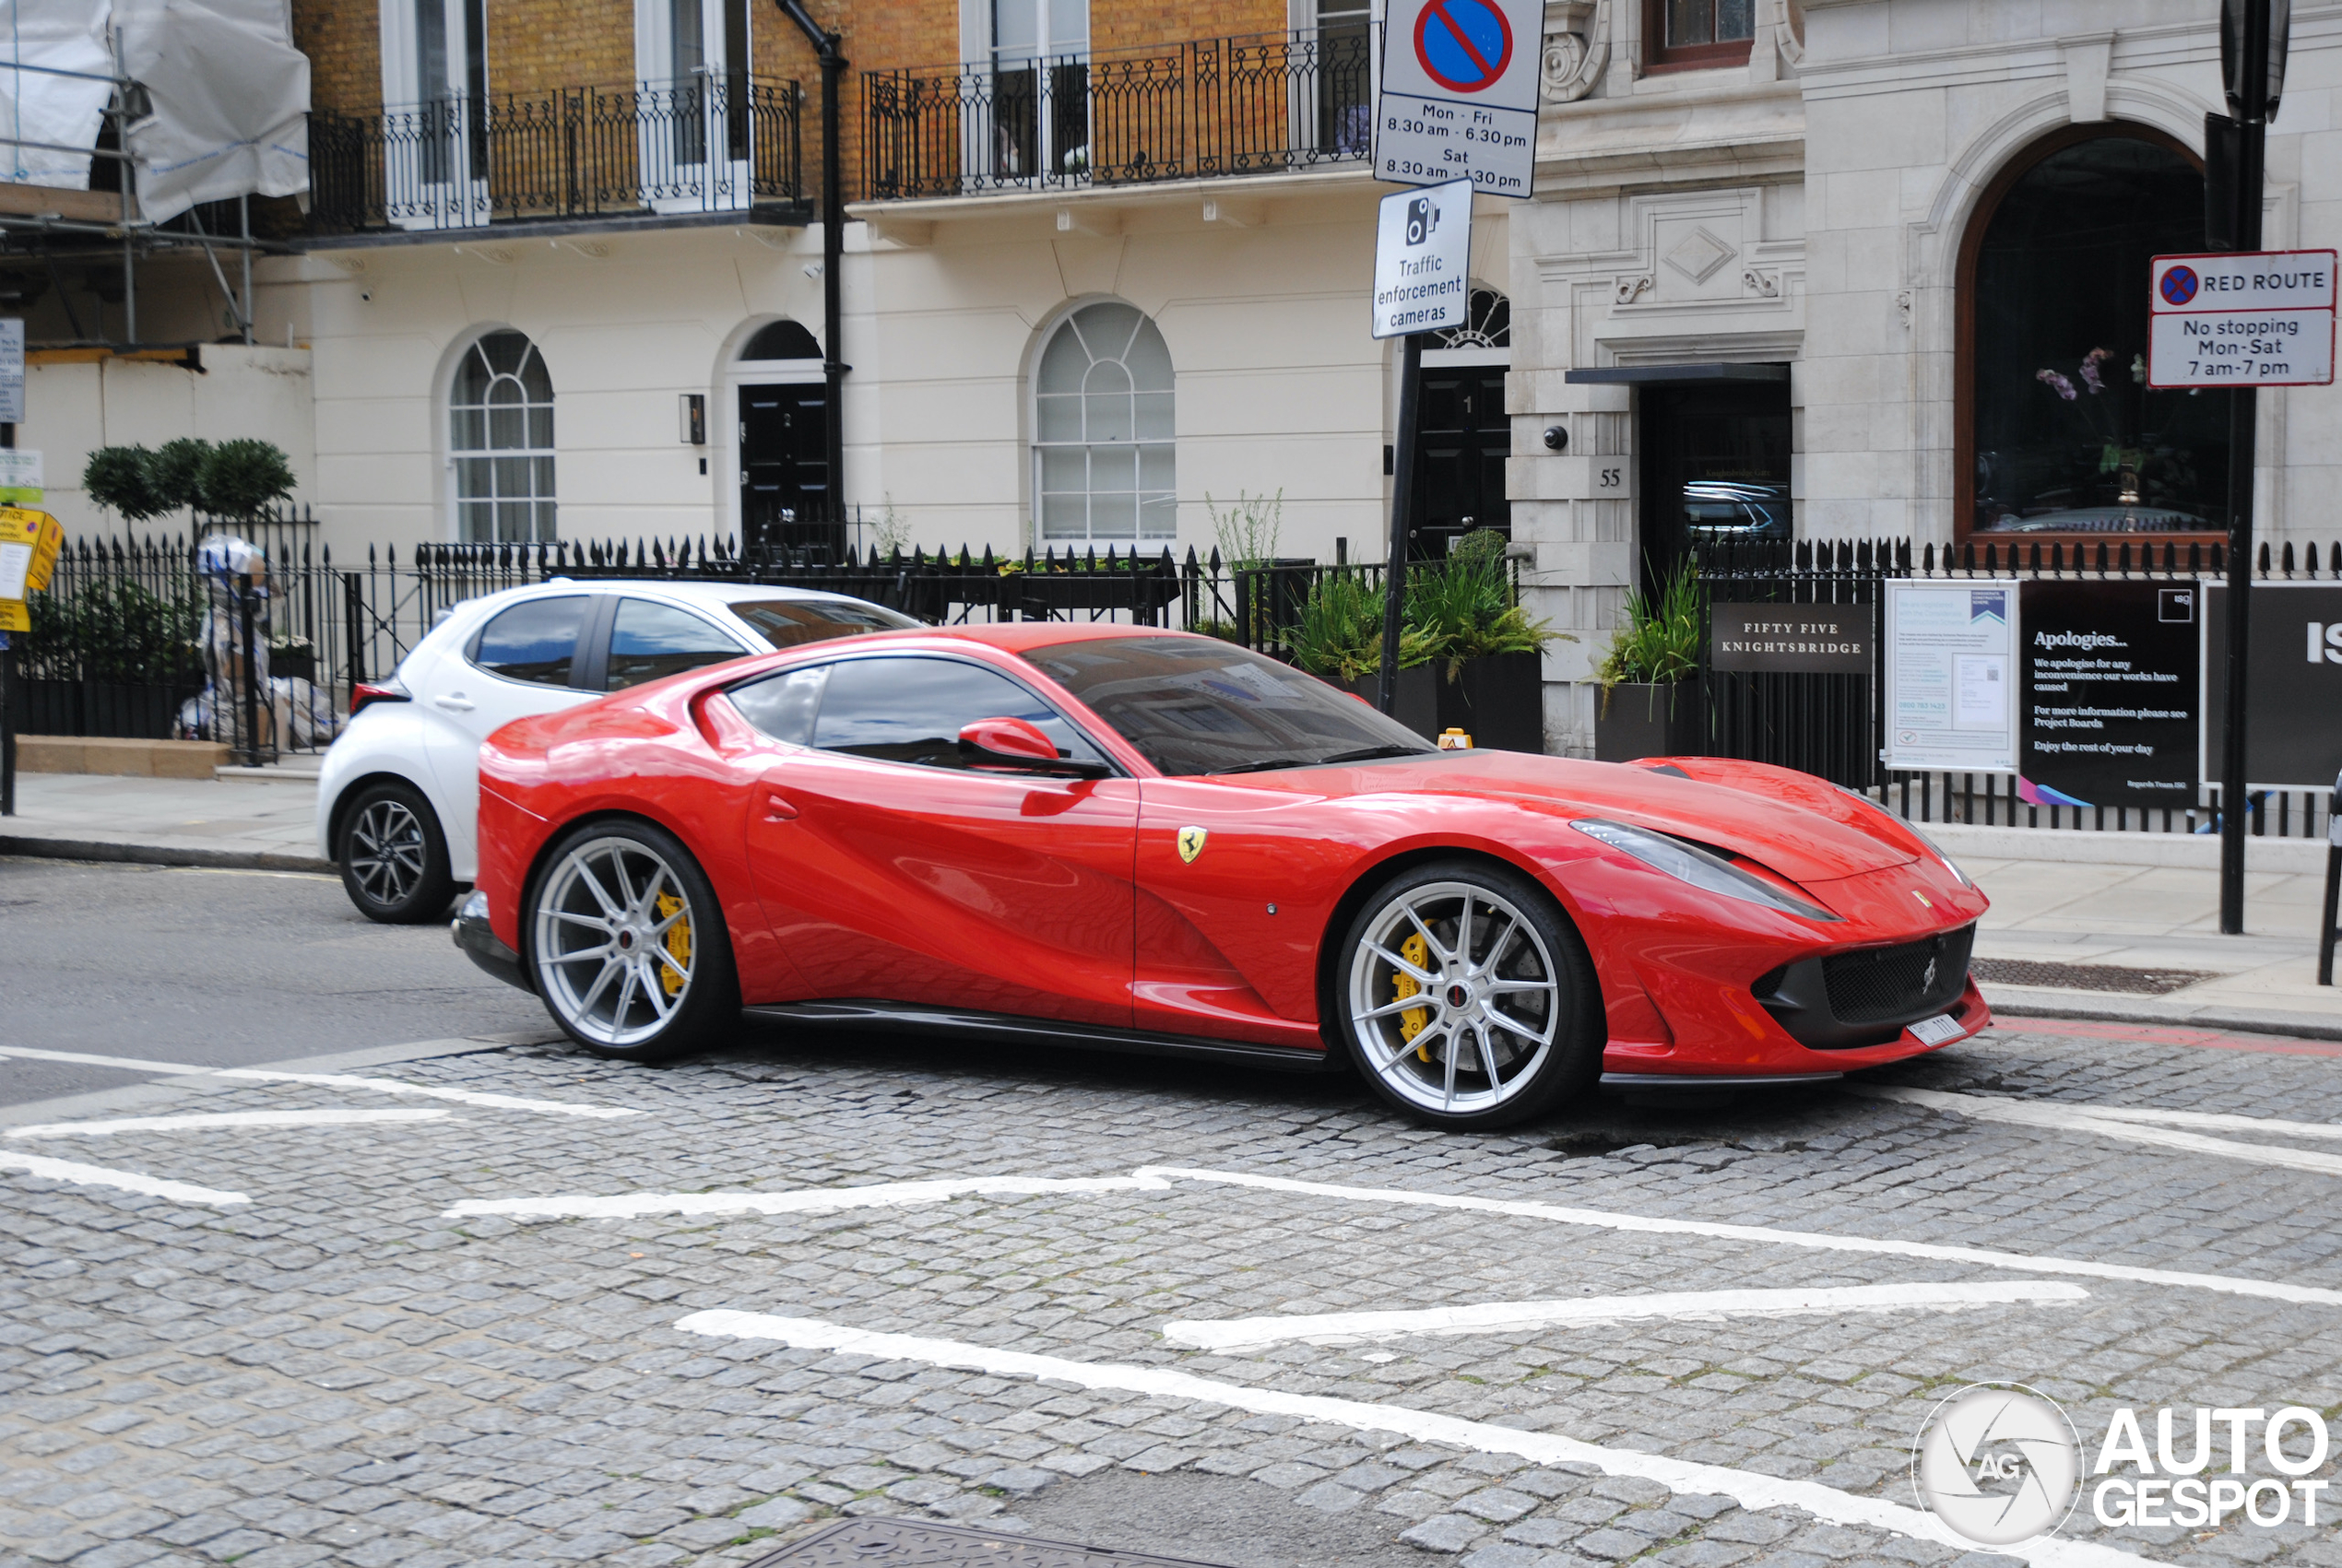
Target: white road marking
1498, 1317
2224, 1121
803, 1200
431, 1091
333, 1080
1746, 1488
128, 1180
1529, 1208
2062, 1116
133, 1064
208, 1120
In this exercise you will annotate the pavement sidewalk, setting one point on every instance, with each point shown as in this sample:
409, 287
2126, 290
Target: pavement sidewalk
2124, 930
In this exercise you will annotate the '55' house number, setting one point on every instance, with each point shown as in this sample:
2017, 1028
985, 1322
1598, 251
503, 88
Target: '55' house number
1610, 479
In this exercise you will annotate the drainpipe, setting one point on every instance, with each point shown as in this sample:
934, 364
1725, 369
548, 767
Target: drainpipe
829, 46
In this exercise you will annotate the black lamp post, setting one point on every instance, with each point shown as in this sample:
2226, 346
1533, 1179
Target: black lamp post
2254, 35
830, 46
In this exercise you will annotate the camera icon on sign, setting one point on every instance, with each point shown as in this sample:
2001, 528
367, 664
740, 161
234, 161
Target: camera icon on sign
1423, 218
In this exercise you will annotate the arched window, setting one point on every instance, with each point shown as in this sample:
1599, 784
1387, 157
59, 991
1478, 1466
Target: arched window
781, 340
500, 434
1102, 450
2062, 434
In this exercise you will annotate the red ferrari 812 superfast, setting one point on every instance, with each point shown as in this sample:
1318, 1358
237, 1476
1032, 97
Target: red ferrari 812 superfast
1149, 840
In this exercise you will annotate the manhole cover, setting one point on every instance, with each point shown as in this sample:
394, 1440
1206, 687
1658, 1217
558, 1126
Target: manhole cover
909, 1543
2087, 976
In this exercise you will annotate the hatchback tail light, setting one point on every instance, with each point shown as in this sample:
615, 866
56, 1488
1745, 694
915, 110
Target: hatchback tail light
364, 696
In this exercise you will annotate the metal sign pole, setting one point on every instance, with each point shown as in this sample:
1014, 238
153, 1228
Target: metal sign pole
2249, 83
1402, 506
2333, 884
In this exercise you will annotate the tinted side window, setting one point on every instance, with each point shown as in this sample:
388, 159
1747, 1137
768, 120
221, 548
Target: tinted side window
534, 641
787, 623
649, 641
782, 705
911, 710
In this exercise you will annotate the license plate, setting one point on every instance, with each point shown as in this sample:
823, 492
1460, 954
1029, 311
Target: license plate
1935, 1031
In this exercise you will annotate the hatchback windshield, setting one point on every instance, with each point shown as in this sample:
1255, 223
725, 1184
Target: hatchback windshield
1199, 705
787, 623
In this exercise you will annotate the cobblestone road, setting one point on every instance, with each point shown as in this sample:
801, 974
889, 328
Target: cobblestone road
336, 1370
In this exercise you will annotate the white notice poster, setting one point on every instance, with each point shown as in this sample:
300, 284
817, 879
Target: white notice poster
1951, 699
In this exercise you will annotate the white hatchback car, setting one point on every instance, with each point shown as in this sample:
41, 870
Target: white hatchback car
398, 797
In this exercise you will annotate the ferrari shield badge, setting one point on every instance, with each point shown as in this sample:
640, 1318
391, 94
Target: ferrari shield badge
1191, 843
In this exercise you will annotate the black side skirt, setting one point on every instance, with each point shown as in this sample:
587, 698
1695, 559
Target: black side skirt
1001, 1028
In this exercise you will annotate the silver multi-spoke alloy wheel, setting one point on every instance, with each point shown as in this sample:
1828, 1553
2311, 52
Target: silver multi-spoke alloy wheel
1454, 998
613, 941
388, 852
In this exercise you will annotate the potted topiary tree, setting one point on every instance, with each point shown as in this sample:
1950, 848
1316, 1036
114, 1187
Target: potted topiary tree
1648, 707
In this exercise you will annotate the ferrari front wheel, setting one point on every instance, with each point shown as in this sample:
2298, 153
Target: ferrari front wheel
627, 945
1467, 998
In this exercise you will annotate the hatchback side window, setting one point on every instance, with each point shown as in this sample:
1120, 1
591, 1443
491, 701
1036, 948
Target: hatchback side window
534, 641
911, 710
650, 640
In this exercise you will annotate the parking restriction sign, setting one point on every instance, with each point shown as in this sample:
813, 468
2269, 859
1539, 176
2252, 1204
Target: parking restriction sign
1459, 97
2241, 318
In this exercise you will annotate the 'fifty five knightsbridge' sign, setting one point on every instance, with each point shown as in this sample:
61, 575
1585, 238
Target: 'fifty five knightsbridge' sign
1792, 639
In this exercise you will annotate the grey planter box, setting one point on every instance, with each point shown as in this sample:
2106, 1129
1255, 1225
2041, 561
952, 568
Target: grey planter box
1644, 720
1499, 701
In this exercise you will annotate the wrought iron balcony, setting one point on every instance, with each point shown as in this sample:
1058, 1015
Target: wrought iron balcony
1209, 109
709, 144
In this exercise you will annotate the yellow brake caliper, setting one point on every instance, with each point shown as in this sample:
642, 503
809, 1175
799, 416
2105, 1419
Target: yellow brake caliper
1415, 1021
677, 942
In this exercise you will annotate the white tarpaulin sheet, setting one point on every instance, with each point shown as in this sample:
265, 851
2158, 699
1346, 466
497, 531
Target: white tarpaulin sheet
231, 97
65, 35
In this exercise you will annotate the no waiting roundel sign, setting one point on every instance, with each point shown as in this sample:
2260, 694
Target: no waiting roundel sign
1459, 97
1463, 45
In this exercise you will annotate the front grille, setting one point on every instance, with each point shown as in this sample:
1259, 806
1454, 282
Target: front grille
1877, 984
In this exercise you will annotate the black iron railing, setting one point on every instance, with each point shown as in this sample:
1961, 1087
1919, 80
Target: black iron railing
1210, 108
715, 143
1832, 724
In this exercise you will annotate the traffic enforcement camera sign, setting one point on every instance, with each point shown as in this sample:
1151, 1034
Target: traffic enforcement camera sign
2241, 318
1423, 260
1459, 97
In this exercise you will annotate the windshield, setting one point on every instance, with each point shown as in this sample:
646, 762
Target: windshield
788, 623
1199, 705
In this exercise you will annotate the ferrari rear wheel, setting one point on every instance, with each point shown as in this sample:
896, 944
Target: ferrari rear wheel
1469, 999
627, 944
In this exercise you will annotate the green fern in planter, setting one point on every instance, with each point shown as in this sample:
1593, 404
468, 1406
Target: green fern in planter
1658, 643
1463, 608
1339, 634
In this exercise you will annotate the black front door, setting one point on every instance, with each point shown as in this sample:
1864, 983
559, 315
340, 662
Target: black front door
785, 475
1715, 467
1460, 440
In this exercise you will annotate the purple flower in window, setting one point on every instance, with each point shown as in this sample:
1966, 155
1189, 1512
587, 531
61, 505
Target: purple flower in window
2056, 384
2091, 363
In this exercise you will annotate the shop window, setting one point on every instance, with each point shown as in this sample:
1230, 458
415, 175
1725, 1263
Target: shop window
2063, 435
1103, 455
1691, 33
501, 436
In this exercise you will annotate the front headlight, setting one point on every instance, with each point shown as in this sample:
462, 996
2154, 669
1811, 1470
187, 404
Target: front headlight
1688, 863
1911, 828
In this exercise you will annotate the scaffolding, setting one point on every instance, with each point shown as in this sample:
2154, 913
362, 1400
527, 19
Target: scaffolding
70, 234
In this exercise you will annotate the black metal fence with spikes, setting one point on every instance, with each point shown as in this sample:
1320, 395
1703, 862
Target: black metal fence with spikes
1833, 724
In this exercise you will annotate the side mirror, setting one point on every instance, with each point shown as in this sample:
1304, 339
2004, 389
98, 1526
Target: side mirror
1015, 743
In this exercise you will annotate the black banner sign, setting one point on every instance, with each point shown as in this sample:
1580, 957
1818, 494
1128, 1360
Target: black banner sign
2109, 687
1792, 639
2293, 721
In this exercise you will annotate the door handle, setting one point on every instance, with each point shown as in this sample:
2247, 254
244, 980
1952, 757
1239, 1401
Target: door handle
777, 808
454, 704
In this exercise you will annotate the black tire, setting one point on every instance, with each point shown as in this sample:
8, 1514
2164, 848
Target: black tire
393, 856
634, 991
1512, 1022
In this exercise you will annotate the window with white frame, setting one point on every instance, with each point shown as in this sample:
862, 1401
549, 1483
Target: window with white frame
1103, 453
501, 437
